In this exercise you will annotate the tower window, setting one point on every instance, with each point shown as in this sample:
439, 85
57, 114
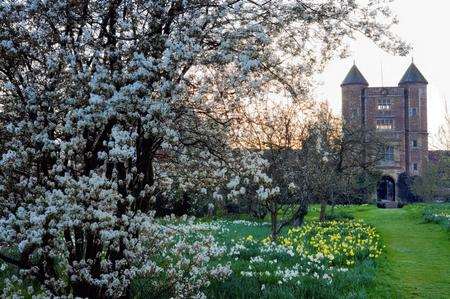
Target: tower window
414, 143
389, 153
384, 104
413, 112
385, 124
415, 166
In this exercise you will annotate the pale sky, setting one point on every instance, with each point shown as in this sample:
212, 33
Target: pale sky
425, 24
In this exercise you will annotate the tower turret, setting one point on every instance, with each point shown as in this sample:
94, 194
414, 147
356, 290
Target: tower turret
353, 96
354, 77
413, 76
416, 123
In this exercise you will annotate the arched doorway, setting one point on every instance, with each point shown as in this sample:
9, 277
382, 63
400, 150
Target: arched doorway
386, 189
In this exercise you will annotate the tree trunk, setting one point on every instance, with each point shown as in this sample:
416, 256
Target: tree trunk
323, 207
273, 218
332, 203
301, 213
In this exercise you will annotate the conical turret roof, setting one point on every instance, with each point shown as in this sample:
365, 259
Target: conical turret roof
413, 75
354, 77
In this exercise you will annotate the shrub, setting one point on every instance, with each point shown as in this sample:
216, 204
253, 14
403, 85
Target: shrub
405, 184
381, 205
339, 215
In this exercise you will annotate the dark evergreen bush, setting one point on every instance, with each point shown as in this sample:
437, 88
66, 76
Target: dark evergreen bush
404, 184
339, 215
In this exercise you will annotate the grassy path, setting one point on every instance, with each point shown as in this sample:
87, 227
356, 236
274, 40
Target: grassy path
417, 259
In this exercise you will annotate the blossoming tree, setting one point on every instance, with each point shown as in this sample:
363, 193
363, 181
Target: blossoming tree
105, 102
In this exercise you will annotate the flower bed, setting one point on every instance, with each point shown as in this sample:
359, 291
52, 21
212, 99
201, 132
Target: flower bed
230, 259
439, 213
329, 259
341, 243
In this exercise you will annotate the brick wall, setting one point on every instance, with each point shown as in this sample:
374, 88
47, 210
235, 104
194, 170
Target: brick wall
406, 129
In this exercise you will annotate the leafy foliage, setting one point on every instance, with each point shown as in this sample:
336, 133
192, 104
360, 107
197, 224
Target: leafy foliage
434, 183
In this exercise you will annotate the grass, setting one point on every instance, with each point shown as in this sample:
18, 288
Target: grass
349, 285
416, 263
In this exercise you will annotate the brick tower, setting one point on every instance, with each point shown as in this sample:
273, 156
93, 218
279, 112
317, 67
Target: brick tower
416, 122
353, 89
399, 114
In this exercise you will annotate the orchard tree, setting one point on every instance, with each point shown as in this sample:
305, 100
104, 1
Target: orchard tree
434, 182
311, 157
337, 159
435, 179
276, 127
318, 156
105, 102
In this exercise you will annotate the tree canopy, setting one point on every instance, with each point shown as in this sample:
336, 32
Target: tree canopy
105, 104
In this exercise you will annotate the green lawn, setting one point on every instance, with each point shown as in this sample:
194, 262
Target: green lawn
417, 259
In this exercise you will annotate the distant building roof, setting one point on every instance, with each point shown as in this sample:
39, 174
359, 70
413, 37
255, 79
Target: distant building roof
354, 77
413, 75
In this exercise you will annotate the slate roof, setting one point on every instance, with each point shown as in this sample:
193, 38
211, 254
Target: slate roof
413, 75
354, 77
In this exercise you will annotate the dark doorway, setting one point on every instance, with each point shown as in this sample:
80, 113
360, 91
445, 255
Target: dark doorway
386, 189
